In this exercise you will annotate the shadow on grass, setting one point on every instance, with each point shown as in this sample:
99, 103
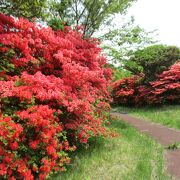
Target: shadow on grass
128, 156
96, 146
118, 124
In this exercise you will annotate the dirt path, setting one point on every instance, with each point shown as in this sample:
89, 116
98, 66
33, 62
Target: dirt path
164, 135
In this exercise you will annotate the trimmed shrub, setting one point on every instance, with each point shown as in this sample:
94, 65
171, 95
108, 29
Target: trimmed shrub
153, 60
53, 95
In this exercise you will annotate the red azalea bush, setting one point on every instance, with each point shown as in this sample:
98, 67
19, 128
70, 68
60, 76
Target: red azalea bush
166, 89
124, 90
53, 93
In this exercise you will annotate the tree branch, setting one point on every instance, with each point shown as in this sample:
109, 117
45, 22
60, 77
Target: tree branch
87, 19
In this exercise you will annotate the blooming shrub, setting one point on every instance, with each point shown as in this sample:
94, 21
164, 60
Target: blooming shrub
153, 60
53, 94
166, 89
124, 90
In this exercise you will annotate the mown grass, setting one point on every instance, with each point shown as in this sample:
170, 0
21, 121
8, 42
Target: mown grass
168, 115
130, 156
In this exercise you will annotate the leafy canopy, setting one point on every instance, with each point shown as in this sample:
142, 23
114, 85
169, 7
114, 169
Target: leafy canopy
23, 8
153, 60
89, 13
122, 41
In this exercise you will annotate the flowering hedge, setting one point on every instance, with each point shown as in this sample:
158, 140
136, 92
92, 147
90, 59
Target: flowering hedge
123, 90
53, 93
166, 89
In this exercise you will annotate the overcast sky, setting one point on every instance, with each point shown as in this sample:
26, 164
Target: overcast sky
163, 15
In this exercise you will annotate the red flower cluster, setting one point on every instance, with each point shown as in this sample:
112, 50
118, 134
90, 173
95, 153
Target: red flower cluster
53, 93
166, 89
124, 90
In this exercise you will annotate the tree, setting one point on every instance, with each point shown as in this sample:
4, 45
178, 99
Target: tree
119, 72
120, 43
89, 13
24, 8
153, 60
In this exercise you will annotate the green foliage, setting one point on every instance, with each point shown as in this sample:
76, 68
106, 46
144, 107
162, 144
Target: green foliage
5, 64
131, 155
24, 8
56, 24
89, 13
153, 60
119, 73
120, 43
173, 146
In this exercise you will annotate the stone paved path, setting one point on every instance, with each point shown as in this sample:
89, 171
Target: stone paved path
164, 135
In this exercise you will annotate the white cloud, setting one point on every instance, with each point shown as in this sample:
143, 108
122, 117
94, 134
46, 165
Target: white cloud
163, 15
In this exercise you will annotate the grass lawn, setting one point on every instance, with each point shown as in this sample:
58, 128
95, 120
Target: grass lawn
168, 115
130, 156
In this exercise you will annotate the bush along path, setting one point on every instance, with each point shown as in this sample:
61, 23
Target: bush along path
53, 97
170, 138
